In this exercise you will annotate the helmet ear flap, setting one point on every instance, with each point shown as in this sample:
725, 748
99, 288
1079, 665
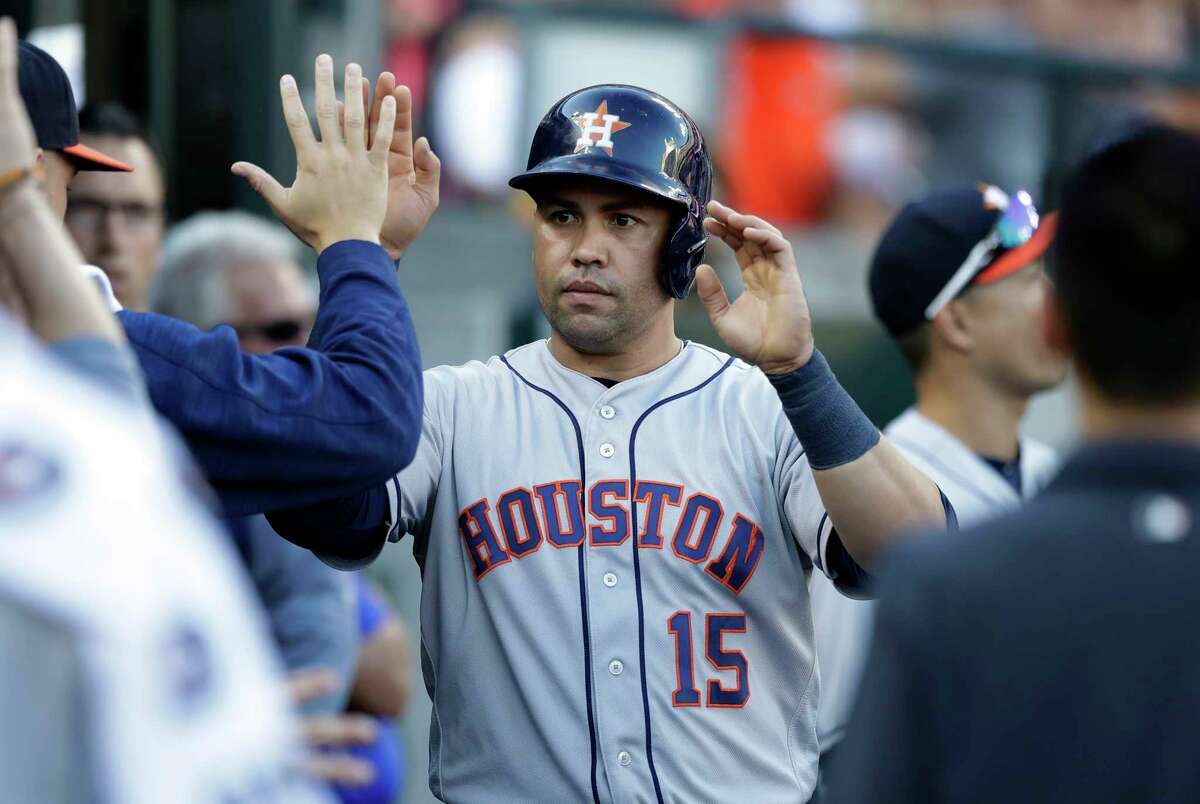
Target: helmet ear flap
686, 244
684, 252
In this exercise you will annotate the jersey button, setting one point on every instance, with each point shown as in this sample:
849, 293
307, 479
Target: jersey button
610, 580
624, 758
607, 450
607, 412
616, 667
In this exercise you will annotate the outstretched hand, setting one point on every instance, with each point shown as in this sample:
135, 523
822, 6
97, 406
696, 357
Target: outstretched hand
341, 186
17, 142
769, 324
414, 171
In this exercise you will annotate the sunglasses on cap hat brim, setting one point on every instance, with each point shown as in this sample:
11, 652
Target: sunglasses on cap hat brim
1019, 233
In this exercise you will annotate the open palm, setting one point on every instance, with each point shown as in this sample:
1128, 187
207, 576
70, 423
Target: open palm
769, 324
413, 172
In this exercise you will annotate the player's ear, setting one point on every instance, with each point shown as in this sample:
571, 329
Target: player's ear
951, 327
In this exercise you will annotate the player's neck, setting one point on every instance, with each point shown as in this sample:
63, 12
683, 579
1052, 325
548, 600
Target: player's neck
986, 420
657, 347
1105, 420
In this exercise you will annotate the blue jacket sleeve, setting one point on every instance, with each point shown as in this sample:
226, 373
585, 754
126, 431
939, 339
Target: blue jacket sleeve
301, 424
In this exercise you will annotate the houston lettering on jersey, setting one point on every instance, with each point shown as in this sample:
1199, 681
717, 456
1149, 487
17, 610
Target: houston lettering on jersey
517, 523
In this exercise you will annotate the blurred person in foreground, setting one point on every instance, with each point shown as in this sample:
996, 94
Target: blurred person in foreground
296, 426
1049, 654
958, 281
132, 667
117, 218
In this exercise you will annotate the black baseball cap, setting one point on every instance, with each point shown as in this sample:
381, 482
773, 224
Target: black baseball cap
927, 243
50, 103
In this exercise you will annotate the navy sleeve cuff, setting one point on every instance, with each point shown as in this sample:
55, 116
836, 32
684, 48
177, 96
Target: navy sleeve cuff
354, 252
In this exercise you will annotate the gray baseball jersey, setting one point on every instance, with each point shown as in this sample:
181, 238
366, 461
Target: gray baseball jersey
977, 492
614, 602
134, 665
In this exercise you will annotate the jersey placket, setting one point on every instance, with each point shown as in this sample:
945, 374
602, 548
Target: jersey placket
612, 597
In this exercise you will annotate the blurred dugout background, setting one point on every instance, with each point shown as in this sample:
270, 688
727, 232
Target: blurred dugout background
824, 116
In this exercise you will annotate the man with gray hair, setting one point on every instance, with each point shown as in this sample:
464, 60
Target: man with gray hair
237, 269
234, 268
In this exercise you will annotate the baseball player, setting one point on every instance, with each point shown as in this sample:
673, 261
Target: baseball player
958, 281
615, 526
1049, 655
134, 667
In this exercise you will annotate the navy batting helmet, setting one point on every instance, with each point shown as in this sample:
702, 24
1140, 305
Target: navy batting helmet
638, 138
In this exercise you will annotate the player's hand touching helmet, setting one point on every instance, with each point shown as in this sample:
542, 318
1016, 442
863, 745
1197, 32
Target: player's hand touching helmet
341, 186
769, 324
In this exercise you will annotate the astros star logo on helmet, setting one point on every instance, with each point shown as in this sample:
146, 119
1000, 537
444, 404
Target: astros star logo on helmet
600, 135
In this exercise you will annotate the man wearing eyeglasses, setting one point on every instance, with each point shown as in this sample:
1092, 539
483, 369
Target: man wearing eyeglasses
117, 219
958, 281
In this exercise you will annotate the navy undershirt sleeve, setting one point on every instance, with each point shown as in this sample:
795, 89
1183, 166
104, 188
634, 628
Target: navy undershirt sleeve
346, 532
849, 576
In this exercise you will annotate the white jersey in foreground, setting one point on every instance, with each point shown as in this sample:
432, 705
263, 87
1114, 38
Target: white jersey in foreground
977, 492
133, 666
614, 601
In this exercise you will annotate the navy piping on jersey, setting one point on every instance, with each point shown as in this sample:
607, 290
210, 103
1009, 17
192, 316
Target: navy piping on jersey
583, 607
637, 568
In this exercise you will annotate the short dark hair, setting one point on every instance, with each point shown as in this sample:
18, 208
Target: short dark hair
915, 346
1126, 267
111, 119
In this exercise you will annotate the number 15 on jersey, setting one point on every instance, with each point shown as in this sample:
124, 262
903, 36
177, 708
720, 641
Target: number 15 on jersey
718, 696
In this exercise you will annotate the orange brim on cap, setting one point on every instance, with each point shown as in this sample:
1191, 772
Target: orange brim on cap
90, 159
1014, 260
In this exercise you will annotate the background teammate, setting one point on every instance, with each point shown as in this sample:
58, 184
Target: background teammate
977, 355
117, 219
1045, 655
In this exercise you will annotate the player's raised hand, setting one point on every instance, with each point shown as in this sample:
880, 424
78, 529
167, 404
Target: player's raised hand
414, 171
341, 186
17, 142
769, 324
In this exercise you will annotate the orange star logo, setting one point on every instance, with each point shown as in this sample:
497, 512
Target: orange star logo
597, 129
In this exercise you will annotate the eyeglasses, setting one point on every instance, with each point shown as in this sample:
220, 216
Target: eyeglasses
91, 212
1015, 227
281, 331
